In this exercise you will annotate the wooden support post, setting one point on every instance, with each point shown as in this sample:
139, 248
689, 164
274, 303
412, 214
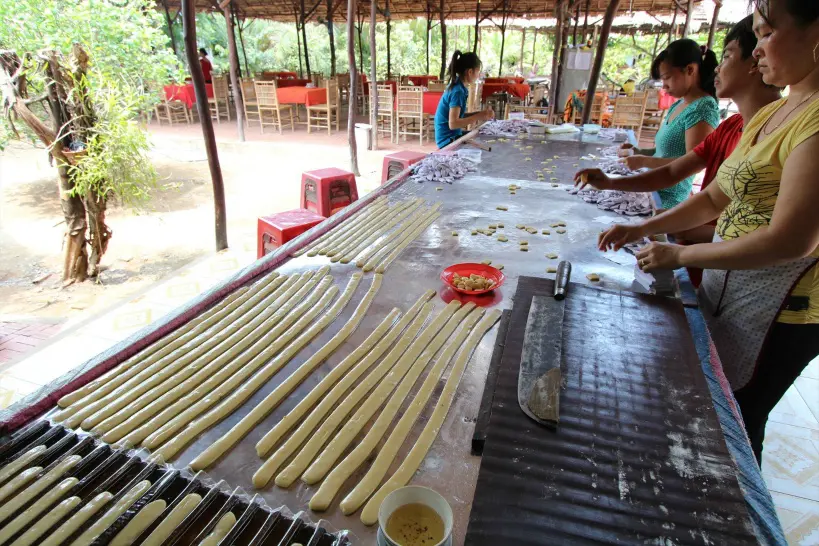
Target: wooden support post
235, 82
576, 21
351, 11
689, 11
373, 79
586, 20
331, 35
360, 46
241, 24
672, 28
389, 39
560, 40
429, 30
443, 41
189, 32
522, 43
714, 23
608, 19
477, 26
503, 36
298, 44
304, 38
169, 21
534, 48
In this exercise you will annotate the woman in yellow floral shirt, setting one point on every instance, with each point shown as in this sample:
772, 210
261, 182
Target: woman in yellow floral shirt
760, 290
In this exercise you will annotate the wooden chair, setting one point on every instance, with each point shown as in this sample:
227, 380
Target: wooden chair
344, 87
653, 115
629, 112
322, 114
385, 119
362, 99
268, 105
219, 103
436, 85
249, 101
473, 99
596, 113
171, 111
539, 113
409, 109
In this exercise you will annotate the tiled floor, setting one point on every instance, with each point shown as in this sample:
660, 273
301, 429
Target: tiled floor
21, 336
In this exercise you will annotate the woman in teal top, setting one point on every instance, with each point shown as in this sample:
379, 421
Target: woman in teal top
687, 72
451, 117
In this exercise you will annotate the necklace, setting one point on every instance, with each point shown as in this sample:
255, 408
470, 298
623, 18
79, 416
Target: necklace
765, 130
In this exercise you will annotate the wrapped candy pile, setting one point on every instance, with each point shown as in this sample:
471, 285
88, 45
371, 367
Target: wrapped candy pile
504, 127
621, 202
442, 168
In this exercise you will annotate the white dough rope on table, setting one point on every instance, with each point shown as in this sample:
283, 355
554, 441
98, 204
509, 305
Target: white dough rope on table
346, 226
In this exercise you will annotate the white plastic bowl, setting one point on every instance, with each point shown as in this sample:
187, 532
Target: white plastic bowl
415, 494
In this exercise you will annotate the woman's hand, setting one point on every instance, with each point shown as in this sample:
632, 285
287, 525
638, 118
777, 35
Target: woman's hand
619, 235
594, 178
635, 162
488, 114
659, 256
626, 149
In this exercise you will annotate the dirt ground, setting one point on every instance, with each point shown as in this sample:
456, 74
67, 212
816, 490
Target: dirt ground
175, 227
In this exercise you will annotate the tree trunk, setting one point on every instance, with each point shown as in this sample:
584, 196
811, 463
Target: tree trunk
235, 82
220, 213
689, 11
522, 43
332, 36
443, 42
360, 48
304, 39
556, 57
169, 21
429, 31
298, 43
240, 24
586, 19
671, 30
534, 48
389, 40
477, 27
608, 19
351, 10
373, 78
714, 23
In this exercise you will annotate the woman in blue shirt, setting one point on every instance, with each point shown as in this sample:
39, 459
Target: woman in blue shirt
451, 117
687, 72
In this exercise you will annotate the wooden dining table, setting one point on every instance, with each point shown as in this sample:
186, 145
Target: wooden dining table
185, 93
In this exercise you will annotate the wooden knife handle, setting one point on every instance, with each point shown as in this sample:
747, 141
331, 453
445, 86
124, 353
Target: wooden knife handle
564, 272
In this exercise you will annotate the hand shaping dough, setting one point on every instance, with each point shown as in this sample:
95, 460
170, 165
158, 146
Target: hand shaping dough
172, 520
36, 488
107, 519
20, 463
34, 511
263, 409
77, 520
139, 523
45, 523
407, 469
223, 527
346, 372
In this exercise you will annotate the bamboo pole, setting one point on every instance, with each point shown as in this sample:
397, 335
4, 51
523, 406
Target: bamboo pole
332, 37
611, 11
304, 39
220, 213
235, 82
556, 59
373, 79
351, 10
442, 71
240, 24
522, 44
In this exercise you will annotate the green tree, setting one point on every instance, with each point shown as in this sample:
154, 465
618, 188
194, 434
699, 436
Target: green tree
77, 75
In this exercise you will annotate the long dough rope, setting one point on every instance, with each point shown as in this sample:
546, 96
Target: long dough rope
334, 239
405, 472
127, 369
271, 401
314, 420
409, 238
172, 520
147, 405
33, 512
406, 371
20, 463
49, 520
41, 484
342, 244
240, 396
223, 527
184, 354
348, 251
328, 490
372, 479
405, 235
272, 310
347, 371
344, 227
109, 517
330, 248
21, 480
141, 521
179, 417
387, 241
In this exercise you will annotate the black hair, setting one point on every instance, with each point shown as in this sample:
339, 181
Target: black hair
461, 62
681, 53
804, 12
203, 52
743, 34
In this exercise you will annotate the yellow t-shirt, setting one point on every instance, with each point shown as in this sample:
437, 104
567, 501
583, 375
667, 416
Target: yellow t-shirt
751, 176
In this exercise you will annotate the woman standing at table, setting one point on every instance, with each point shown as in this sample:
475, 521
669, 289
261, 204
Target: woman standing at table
760, 290
687, 73
207, 68
451, 117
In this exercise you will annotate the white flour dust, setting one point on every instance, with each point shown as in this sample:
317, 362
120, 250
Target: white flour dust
689, 461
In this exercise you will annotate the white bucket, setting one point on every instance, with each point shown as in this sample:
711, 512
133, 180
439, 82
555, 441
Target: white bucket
415, 494
363, 137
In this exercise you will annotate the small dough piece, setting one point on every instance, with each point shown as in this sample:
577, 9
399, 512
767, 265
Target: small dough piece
551, 256
502, 238
493, 226
527, 158
77, 520
593, 277
19, 481
553, 178
551, 270
34, 511
561, 231
546, 232
20, 463
524, 248
502, 207
523, 243
439, 189
487, 262
139, 523
172, 520
46, 522
499, 267
500, 226
555, 185
531, 230
107, 519
474, 232
554, 224
520, 226
512, 193
223, 527
454, 233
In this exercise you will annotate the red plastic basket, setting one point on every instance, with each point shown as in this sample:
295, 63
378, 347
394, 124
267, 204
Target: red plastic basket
467, 269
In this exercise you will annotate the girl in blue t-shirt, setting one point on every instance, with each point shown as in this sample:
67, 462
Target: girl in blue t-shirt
451, 117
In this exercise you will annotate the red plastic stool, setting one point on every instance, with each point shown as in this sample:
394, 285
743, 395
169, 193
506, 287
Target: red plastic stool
327, 191
277, 229
397, 162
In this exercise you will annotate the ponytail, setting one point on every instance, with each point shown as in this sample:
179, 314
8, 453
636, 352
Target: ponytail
460, 63
681, 53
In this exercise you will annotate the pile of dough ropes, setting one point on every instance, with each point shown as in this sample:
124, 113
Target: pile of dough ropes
375, 236
472, 282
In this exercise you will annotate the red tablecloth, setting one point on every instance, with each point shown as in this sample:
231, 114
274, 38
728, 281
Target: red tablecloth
431, 100
308, 96
273, 75
185, 93
422, 81
293, 82
520, 90
505, 79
